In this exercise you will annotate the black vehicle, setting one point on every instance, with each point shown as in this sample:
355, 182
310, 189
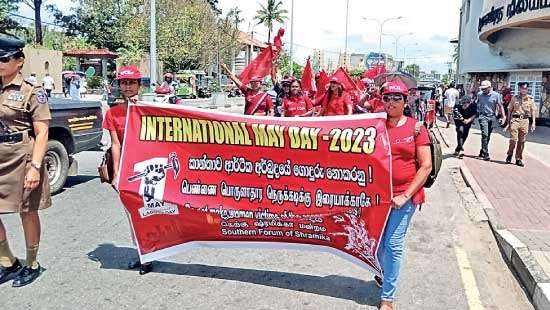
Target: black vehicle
75, 127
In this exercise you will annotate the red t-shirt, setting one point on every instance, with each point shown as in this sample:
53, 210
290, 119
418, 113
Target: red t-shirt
296, 106
251, 100
376, 105
337, 105
403, 141
115, 119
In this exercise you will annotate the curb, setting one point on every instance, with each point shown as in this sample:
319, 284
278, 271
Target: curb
516, 254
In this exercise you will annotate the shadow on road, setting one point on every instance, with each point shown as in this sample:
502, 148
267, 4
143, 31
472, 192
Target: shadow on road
79, 179
359, 291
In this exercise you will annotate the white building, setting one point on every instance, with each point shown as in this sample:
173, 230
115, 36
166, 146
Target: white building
319, 62
357, 61
506, 41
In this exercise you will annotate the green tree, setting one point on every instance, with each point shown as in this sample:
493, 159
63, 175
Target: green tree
8, 24
356, 72
413, 69
283, 63
271, 13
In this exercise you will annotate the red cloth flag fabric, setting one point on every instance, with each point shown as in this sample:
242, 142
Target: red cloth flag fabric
344, 79
322, 81
374, 71
360, 85
278, 43
260, 67
307, 78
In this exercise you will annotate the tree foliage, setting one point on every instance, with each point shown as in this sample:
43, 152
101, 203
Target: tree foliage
8, 24
283, 63
271, 13
413, 69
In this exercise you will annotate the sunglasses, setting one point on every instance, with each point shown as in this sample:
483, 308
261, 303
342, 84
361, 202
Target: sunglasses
5, 59
388, 98
295, 86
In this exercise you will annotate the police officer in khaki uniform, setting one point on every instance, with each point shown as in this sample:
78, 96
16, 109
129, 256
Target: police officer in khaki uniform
521, 113
24, 187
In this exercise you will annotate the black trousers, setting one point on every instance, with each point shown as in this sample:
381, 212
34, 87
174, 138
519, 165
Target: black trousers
462, 131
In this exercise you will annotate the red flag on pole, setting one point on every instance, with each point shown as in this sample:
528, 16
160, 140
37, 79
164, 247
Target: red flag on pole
260, 67
374, 71
322, 82
345, 79
307, 78
278, 43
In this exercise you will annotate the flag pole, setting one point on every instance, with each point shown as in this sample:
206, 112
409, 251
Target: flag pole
153, 44
291, 70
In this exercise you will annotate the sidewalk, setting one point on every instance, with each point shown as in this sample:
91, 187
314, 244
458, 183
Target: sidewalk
517, 203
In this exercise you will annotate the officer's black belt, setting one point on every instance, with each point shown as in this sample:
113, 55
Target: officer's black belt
11, 137
520, 116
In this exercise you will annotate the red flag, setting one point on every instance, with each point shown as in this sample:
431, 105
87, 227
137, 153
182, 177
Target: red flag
307, 78
278, 43
322, 82
260, 67
345, 79
374, 71
360, 85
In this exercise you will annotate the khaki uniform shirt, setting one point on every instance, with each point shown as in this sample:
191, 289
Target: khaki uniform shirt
21, 104
523, 106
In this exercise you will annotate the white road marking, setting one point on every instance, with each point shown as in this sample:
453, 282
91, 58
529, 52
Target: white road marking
468, 280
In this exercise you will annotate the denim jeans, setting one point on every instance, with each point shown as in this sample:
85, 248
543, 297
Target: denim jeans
462, 131
486, 126
392, 246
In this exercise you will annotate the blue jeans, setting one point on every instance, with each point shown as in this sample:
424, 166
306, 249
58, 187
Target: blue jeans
392, 246
486, 127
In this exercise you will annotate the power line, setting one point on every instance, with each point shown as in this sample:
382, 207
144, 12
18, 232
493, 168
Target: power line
32, 19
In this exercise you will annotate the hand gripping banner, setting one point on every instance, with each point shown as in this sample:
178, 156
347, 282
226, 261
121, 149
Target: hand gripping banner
192, 177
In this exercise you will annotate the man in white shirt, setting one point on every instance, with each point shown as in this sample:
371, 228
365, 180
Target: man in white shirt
48, 84
451, 97
32, 79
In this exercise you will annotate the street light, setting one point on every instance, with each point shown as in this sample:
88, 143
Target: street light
405, 51
347, 23
292, 40
153, 44
381, 24
397, 38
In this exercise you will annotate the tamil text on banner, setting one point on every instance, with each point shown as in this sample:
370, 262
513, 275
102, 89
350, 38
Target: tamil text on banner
192, 177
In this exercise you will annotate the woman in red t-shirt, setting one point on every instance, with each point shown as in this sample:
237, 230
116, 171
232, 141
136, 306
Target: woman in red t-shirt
115, 121
257, 102
297, 104
411, 166
337, 101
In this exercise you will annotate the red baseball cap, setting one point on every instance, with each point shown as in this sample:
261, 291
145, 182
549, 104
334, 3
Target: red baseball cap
335, 80
256, 79
128, 73
396, 87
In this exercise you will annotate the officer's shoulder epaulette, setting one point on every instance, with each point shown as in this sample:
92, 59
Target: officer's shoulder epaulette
30, 83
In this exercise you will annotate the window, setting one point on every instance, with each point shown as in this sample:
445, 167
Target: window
535, 84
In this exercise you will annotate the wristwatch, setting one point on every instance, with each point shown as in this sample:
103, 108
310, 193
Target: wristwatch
35, 166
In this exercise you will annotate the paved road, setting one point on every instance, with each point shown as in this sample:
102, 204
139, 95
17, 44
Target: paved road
451, 263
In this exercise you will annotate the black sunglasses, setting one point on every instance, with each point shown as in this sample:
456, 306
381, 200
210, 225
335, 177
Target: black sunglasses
388, 98
5, 59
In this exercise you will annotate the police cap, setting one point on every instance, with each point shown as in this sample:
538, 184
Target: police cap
523, 85
9, 46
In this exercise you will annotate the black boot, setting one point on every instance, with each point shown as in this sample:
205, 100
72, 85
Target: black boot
509, 159
520, 163
27, 276
8, 273
146, 268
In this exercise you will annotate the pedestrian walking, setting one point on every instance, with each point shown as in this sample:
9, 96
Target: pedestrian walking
336, 101
451, 97
48, 84
411, 162
257, 102
33, 79
489, 107
24, 185
74, 85
464, 115
114, 122
297, 103
521, 112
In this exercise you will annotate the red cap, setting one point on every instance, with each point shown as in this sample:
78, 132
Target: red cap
128, 73
335, 80
163, 90
396, 87
256, 79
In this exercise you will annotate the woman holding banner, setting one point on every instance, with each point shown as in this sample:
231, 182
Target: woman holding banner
257, 102
115, 122
411, 166
336, 101
297, 103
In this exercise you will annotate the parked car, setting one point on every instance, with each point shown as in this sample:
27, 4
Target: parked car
75, 127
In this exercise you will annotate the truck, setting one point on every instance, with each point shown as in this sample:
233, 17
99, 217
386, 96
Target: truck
75, 127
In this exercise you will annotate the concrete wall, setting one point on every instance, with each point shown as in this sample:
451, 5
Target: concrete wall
514, 49
42, 61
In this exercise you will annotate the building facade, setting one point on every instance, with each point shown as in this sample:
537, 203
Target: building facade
357, 61
319, 62
343, 60
506, 42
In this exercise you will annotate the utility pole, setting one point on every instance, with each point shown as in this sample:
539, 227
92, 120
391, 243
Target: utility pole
153, 45
347, 24
291, 70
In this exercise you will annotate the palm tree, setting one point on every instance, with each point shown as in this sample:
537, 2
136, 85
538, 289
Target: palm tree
271, 13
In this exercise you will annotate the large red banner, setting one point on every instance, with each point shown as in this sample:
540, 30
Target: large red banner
192, 177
